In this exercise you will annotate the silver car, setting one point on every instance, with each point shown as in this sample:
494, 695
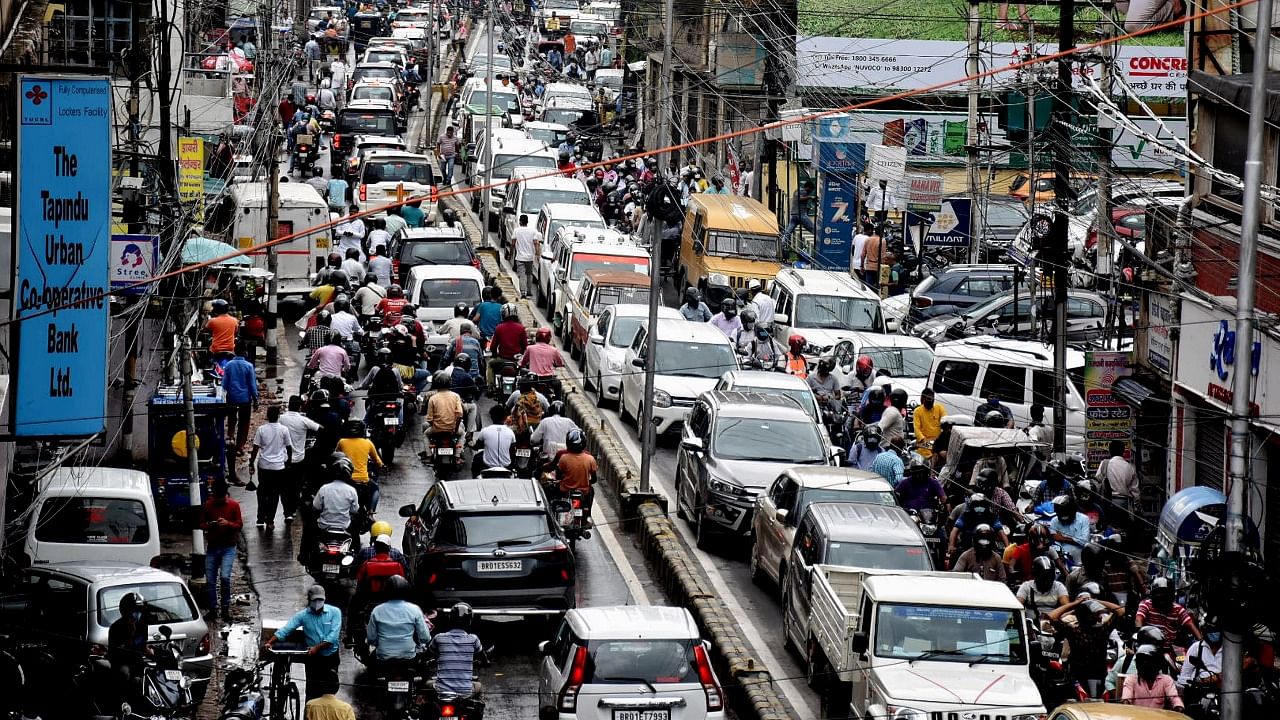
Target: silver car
628, 663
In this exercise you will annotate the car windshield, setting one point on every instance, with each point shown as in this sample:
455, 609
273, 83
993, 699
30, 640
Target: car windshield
504, 164
398, 171
761, 247
586, 27
533, 200
551, 136
93, 520
373, 92
901, 362
477, 529
498, 97
1006, 214
383, 56
367, 123
704, 360
451, 252
447, 292
949, 634
624, 331
613, 82
817, 495
764, 440
630, 661
582, 119
803, 397
166, 602
555, 225
582, 262
834, 312
611, 295
880, 557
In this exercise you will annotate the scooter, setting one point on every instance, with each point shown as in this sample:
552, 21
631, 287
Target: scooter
328, 121
166, 689
505, 379
401, 681
445, 452
242, 697
386, 429
571, 514
334, 557
522, 456
928, 519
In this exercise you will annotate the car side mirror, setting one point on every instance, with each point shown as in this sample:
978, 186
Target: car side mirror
638, 362
692, 444
781, 515
508, 210
544, 647
698, 248
596, 339
408, 511
781, 319
859, 643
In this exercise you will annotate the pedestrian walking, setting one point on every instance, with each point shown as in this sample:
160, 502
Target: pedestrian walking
240, 386
272, 452
299, 426
221, 521
526, 251
447, 153
801, 210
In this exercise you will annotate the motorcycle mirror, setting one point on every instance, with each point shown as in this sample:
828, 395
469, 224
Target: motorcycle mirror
166, 631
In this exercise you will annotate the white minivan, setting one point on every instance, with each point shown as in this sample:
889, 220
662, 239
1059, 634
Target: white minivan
967, 372
94, 514
508, 154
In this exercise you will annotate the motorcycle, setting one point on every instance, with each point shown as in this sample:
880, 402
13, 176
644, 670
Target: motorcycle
572, 516
328, 121
371, 339
166, 689
505, 379
444, 704
334, 557
1049, 671
305, 153
386, 429
445, 452
401, 680
929, 520
522, 456
242, 697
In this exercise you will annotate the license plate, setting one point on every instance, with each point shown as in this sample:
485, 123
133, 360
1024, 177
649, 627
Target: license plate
173, 675
398, 686
444, 451
391, 422
329, 569
577, 512
524, 452
499, 566
641, 715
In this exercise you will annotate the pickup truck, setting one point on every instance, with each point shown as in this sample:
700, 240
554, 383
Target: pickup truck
914, 645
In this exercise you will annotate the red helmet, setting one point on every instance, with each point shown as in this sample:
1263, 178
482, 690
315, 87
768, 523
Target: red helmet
543, 335
796, 343
864, 366
599, 173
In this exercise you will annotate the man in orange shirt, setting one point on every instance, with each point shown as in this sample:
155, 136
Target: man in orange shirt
576, 469
223, 327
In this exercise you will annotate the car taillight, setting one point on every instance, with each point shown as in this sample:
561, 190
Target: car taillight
431, 579
205, 644
715, 700
337, 140
921, 301
395, 268
577, 675
364, 192
435, 194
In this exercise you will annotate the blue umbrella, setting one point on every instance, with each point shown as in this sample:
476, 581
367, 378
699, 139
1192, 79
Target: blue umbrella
200, 250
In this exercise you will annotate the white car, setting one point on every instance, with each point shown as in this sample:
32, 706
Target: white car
894, 310
823, 306
386, 175
607, 250
689, 359
632, 662
907, 360
607, 346
436, 289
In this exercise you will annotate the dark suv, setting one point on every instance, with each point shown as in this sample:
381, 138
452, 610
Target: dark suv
490, 542
953, 288
439, 245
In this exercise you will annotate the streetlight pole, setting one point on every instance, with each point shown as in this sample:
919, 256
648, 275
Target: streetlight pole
487, 195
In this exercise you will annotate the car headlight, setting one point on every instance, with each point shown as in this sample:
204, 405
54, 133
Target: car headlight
1028, 716
900, 712
725, 487
934, 332
661, 399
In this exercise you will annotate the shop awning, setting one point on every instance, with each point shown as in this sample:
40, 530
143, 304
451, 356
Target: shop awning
1136, 393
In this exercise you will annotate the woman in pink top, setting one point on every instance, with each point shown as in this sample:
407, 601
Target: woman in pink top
1149, 687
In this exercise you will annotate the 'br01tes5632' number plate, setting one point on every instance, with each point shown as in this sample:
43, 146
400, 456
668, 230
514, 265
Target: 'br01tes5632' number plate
499, 565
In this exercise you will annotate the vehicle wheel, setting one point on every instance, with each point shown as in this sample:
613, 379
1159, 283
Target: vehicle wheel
622, 409
388, 453
702, 534
834, 703
577, 354
573, 543
541, 296
757, 575
293, 703
782, 581
815, 671
587, 382
787, 644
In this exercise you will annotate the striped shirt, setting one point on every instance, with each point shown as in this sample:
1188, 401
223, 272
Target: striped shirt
455, 653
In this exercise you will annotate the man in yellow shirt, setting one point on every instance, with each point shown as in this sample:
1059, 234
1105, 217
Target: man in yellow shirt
360, 450
444, 408
329, 707
927, 421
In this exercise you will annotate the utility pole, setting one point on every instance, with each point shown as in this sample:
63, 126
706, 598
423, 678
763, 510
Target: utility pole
648, 438
1241, 382
977, 219
185, 364
487, 195
1106, 230
267, 118
771, 87
1060, 133
167, 182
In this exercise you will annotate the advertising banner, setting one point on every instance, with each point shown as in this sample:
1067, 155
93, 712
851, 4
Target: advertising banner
842, 157
1106, 418
887, 163
64, 216
834, 246
134, 258
190, 168
950, 226
924, 192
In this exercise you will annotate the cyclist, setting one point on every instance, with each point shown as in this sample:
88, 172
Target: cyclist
321, 626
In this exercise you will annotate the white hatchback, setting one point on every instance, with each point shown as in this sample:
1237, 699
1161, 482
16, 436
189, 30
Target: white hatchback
690, 357
638, 662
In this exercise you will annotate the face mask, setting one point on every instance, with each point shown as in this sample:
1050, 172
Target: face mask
136, 615
317, 605
928, 403
1213, 637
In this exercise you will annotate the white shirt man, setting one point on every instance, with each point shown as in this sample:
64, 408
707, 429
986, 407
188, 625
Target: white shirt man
526, 239
272, 441
298, 425
859, 248
379, 237
339, 70
353, 268
553, 431
350, 235
764, 305
497, 440
345, 324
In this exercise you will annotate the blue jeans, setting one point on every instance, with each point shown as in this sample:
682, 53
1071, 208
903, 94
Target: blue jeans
217, 566
796, 220
446, 168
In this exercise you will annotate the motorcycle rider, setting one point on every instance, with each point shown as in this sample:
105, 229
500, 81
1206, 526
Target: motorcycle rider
796, 363
693, 309
872, 409
392, 306
761, 352
993, 404
368, 297
976, 510
553, 431
464, 383
727, 320
576, 469
381, 527
1055, 484
1043, 593
1092, 569
384, 383
455, 651
1202, 668
371, 582
454, 326
863, 373
487, 314
321, 626
1088, 638
542, 358
509, 341
1039, 543
982, 558
496, 440
445, 414
337, 504
920, 490
893, 426
127, 648
1159, 610
1149, 687
397, 630
826, 386
926, 420
470, 344
864, 452
1069, 527
365, 462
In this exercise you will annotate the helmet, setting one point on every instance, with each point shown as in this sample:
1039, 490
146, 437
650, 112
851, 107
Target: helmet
575, 441
826, 365
442, 380
341, 468
875, 396
509, 311
462, 614
1148, 651
543, 335
1149, 635
987, 481
370, 278
398, 588
1093, 588
342, 304
355, 428
338, 277
898, 397
320, 398
219, 307
690, 295
463, 361
460, 310
871, 435
1084, 487
1042, 568
984, 537
395, 291
729, 307
323, 317
864, 366
382, 527
748, 317
384, 354
1039, 535
995, 419
555, 408
977, 503
796, 342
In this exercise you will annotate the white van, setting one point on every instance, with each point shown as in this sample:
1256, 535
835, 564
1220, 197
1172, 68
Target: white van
94, 514
529, 197
508, 154
966, 372
301, 208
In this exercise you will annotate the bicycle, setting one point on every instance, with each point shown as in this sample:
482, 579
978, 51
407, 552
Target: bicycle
284, 702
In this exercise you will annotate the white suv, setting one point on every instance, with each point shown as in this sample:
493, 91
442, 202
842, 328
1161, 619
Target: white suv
633, 661
823, 306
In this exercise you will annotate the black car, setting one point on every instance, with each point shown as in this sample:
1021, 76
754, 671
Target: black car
362, 117
439, 245
952, 289
491, 542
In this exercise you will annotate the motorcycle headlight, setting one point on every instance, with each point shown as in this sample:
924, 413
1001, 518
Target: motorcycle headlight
900, 712
661, 399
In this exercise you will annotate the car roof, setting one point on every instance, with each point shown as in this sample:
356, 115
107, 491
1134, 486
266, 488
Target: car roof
393, 154
827, 477
605, 276
432, 272
1004, 350
570, 102
492, 494
566, 88
628, 622
638, 310
572, 211
962, 590
504, 134
553, 182
544, 125
380, 65
99, 571
866, 522
825, 282
435, 233
621, 247
609, 72
764, 379
863, 339
362, 139
368, 104
974, 267
80, 478
677, 329
737, 212
749, 404
520, 144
